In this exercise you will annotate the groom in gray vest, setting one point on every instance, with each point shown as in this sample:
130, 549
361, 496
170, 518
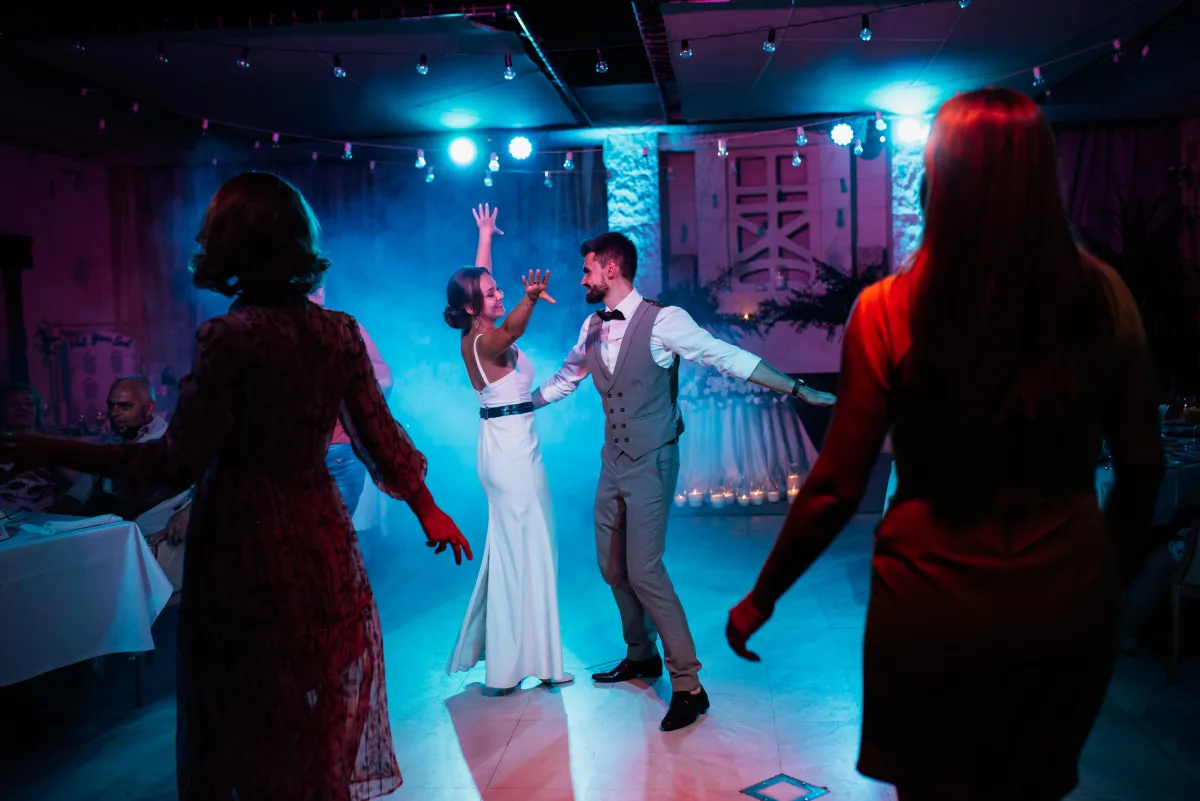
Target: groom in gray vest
631, 350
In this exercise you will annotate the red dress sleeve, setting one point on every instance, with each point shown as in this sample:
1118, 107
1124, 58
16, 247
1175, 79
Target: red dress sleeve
395, 464
203, 419
830, 496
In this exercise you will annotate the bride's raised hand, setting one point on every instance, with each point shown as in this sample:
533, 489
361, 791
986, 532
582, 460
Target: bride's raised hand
535, 286
485, 218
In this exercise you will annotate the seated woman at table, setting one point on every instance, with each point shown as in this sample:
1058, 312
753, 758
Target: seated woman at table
34, 490
281, 680
998, 360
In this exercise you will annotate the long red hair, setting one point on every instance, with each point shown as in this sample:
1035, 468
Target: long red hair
1010, 320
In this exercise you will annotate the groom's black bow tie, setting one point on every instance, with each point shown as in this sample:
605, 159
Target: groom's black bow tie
606, 316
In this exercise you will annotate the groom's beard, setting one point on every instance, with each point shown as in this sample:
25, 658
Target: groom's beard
596, 294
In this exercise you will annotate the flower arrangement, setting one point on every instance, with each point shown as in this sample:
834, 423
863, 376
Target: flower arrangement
826, 303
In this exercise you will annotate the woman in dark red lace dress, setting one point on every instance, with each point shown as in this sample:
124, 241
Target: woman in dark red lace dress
998, 361
281, 679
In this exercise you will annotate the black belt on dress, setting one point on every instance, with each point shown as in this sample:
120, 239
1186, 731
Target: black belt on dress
488, 412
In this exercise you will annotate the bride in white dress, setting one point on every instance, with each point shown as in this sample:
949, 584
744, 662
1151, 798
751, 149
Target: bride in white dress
512, 619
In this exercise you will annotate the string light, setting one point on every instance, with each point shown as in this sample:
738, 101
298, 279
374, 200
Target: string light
244, 59
78, 47
134, 108
257, 144
865, 33
275, 140
601, 64
520, 148
568, 164
429, 176
314, 157
347, 152
338, 70
1038, 80
204, 127
685, 50
83, 92
420, 164
769, 43
841, 134
509, 72
549, 182
423, 65
487, 178
880, 122
371, 165
858, 148
796, 160
801, 138
964, 3
1116, 51
214, 161
161, 58
103, 125
1145, 52
722, 151
494, 163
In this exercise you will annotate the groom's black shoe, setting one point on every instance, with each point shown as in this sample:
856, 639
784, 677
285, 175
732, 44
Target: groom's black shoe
631, 669
686, 709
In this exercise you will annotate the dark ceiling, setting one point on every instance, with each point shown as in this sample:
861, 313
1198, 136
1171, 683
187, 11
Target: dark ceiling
919, 54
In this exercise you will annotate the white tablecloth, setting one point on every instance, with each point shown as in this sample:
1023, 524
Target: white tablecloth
66, 598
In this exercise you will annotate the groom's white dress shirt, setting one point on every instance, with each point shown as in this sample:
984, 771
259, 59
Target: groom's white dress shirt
675, 333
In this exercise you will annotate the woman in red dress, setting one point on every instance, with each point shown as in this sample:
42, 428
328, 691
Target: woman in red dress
998, 361
281, 691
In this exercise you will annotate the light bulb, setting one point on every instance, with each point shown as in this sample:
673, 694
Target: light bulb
1038, 80
685, 51
801, 137
275, 140
338, 70
420, 159
601, 64
487, 179
858, 148
880, 122
244, 59
423, 64
568, 164
371, 165
214, 161
796, 160
1116, 51
769, 44
548, 182
134, 108
161, 58
78, 46
494, 163
509, 72
314, 157
865, 33
347, 152
722, 151
204, 127
964, 3
429, 176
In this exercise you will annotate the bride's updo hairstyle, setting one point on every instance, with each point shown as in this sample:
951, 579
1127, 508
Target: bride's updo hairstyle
463, 292
259, 240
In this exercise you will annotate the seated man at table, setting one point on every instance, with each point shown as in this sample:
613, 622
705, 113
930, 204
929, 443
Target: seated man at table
131, 418
26, 490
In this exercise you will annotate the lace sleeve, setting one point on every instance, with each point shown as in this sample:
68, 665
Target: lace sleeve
395, 464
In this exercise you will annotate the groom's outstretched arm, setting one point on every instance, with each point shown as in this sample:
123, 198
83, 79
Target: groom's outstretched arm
678, 332
566, 380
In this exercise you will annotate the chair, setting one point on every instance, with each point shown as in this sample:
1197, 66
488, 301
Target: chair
1185, 583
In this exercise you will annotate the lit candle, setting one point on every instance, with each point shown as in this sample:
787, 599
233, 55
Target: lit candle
717, 499
773, 496
792, 493
793, 483
743, 500
756, 497
728, 497
680, 499
695, 498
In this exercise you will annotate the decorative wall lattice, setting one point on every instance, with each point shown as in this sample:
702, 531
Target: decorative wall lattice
770, 217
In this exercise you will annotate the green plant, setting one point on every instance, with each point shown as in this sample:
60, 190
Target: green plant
826, 303
703, 302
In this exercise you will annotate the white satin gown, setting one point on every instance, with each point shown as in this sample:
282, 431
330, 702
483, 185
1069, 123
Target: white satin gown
512, 619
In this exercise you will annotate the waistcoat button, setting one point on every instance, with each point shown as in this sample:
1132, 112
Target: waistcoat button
610, 394
627, 439
619, 395
622, 410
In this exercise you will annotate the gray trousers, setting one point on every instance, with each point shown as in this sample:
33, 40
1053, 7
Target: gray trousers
633, 502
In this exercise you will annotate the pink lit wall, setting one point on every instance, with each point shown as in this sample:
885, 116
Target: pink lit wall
63, 205
702, 221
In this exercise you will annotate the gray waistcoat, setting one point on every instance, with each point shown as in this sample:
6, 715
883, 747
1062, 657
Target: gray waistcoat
641, 410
